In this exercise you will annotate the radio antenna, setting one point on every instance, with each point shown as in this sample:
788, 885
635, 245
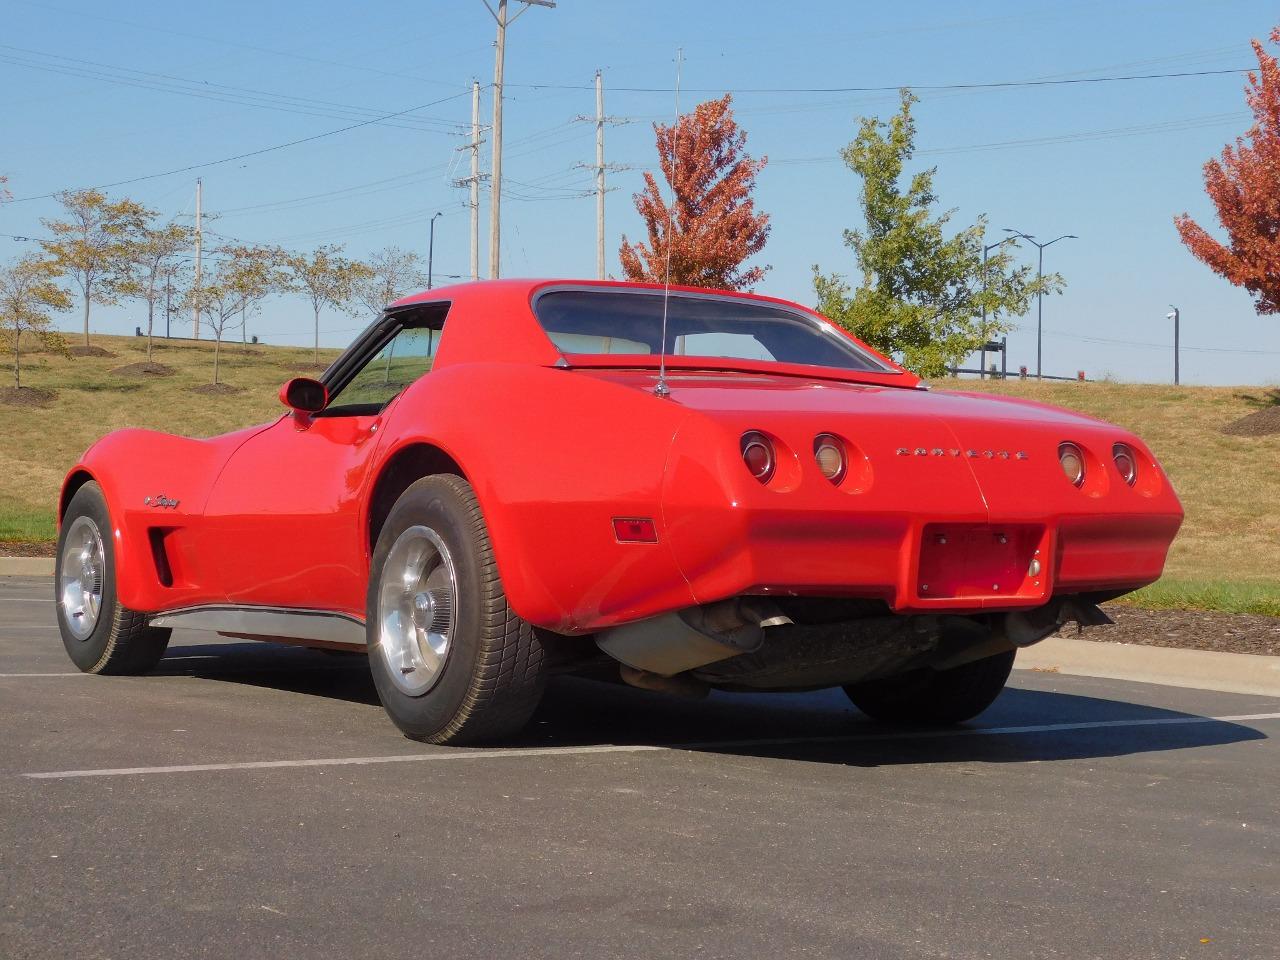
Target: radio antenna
662, 390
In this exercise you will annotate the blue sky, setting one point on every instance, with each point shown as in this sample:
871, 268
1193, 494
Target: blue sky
1111, 162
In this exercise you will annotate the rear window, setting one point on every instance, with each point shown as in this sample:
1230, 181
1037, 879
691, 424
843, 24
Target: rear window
603, 322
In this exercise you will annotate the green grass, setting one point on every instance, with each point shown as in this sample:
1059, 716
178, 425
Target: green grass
1169, 594
25, 524
1226, 557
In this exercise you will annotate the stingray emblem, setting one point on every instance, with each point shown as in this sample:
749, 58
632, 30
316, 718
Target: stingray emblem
160, 500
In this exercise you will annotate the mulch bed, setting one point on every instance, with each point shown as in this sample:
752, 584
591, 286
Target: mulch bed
1260, 423
27, 548
143, 369
1188, 629
80, 350
26, 396
217, 389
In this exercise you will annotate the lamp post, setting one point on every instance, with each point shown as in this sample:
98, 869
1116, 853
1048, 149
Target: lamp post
982, 355
1040, 296
1175, 317
431, 246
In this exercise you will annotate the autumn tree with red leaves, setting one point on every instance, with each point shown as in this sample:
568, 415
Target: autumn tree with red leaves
1244, 185
712, 221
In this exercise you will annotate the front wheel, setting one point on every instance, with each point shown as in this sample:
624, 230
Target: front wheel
100, 633
934, 696
451, 661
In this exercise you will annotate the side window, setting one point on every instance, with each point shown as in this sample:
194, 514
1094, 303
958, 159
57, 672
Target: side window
405, 358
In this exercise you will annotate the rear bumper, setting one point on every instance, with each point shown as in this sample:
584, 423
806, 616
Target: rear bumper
919, 565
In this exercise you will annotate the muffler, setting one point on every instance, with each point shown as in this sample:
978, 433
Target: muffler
686, 639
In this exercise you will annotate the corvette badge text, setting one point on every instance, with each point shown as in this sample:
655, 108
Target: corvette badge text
160, 500
939, 452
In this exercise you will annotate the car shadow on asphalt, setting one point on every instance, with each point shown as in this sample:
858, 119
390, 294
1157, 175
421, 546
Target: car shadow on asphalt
1023, 726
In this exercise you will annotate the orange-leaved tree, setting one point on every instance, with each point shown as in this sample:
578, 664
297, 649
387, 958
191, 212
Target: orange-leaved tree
711, 224
1244, 185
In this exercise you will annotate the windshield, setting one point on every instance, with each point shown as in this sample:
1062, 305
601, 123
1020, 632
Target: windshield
604, 322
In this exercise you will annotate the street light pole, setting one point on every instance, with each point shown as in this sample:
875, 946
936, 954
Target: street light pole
1040, 295
982, 356
1176, 316
431, 247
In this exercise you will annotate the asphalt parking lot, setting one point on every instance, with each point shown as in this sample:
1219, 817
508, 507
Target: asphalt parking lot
250, 800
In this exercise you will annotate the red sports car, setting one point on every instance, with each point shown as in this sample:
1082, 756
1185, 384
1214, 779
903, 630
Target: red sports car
701, 490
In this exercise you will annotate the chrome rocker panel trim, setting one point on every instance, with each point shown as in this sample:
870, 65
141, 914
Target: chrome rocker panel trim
324, 627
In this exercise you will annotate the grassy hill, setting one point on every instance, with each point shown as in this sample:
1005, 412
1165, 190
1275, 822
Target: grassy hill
1227, 556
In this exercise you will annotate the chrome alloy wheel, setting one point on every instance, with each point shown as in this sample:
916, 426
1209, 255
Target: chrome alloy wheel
416, 608
82, 570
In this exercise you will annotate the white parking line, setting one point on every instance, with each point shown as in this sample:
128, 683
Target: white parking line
25, 600
74, 673
533, 752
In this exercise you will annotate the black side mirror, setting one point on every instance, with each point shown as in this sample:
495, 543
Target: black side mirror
304, 395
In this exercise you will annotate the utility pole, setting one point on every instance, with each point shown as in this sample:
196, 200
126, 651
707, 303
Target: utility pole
473, 181
195, 306
599, 176
495, 166
1176, 316
600, 167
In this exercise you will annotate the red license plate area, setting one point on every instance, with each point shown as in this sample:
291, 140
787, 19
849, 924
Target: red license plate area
981, 562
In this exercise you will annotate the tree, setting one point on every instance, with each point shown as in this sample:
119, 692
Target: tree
1244, 185
217, 302
153, 261
29, 292
393, 273
923, 293
91, 245
711, 226
327, 278
254, 272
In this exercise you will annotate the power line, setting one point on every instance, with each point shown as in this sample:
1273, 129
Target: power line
1160, 346
252, 153
207, 90
1003, 84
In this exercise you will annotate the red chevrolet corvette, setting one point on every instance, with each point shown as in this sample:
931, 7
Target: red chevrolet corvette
500, 481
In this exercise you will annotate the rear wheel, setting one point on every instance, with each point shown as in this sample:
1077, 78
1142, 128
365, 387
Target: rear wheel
934, 696
451, 661
101, 635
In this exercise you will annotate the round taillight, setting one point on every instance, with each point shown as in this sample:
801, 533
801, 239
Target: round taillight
757, 454
828, 451
1072, 459
1125, 462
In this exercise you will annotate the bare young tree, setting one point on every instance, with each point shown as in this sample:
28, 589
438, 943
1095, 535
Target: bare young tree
29, 293
91, 244
393, 273
153, 261
218, 303
327, 278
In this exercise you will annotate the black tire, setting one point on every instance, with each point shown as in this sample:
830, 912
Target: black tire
934, 696
121, 641
493, 674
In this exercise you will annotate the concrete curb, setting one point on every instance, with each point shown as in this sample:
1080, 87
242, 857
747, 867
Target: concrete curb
1169, 666
26, 566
